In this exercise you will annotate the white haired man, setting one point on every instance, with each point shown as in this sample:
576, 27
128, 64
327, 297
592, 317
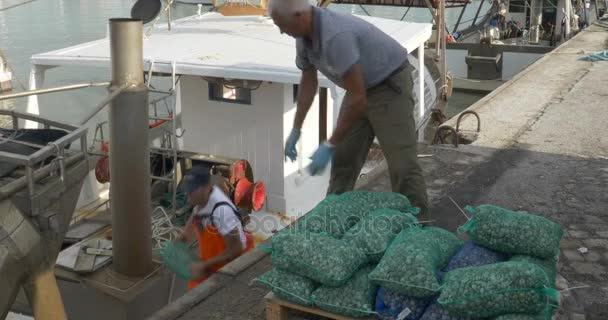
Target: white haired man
373, 69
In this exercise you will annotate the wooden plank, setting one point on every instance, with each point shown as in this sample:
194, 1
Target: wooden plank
67, 258
84, 261
276, 309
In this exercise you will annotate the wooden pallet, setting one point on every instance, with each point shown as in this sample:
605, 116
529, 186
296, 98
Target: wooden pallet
277, 309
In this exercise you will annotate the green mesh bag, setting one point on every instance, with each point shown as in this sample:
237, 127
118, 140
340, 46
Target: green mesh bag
497, 289
335, 215
289, 286
177, 257
513, 232
321, 258
332, 216
373, 200
354, 299
447, 243
546, 314
411, 262
548, 265
376, 231
521, 316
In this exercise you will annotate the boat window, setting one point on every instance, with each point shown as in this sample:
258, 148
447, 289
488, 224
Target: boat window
517, 6
220, 92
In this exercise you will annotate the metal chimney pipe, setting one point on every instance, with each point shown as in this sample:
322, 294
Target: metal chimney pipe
129, 152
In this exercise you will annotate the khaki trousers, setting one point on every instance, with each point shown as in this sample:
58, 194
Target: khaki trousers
389, 116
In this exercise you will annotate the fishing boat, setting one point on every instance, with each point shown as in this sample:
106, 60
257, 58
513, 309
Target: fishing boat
203, 2
500, 40
5, 74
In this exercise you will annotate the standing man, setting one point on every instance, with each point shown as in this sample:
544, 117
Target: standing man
215, 223
373, 69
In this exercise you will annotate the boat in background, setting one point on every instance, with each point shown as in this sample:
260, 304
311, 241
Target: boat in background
5, 74
203, 2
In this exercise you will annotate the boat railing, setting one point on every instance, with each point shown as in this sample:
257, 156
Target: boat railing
48, 160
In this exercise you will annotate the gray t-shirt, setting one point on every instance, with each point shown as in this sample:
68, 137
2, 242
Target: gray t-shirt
341, 40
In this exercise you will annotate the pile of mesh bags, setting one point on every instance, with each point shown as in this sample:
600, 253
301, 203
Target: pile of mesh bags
326, 257
381, 262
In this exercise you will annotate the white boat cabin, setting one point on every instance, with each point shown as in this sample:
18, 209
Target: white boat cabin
235, 94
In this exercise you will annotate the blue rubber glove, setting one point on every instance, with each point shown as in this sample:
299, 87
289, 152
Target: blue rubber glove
321, 158
290, 145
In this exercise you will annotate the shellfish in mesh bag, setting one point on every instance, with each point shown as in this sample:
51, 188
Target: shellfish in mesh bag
289, 286
548, 265
471, 254
436, 312
354, 299
496, 289
546, 314
373, 200
375, 232
321, 258
411, 262
513, 232
391, 305
333, 216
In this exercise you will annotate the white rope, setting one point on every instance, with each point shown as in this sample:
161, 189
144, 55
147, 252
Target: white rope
149, 31
459, 208
150, 72
163, 230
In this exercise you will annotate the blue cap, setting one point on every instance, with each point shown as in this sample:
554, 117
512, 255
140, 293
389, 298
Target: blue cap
197, 177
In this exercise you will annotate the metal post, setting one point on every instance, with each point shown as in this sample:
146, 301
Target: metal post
444, 63
536, 16
322, 115
101, 105
52, 90
168, 20
478, 11
421, 103
129, 152
459, 18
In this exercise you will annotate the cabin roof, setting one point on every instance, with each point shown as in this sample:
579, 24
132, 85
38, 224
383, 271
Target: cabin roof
231, 47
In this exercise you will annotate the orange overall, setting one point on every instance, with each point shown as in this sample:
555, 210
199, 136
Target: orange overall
211, 244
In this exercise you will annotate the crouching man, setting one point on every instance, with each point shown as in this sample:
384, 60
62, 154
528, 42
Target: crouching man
215, 222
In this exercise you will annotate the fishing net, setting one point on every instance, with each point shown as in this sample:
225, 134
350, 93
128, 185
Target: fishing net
436, 312
319, 257
391, 305
376, 231
177, 257
548, 265
513, 232
289, 286
410, 263
471, 254
496, 289
354, 299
